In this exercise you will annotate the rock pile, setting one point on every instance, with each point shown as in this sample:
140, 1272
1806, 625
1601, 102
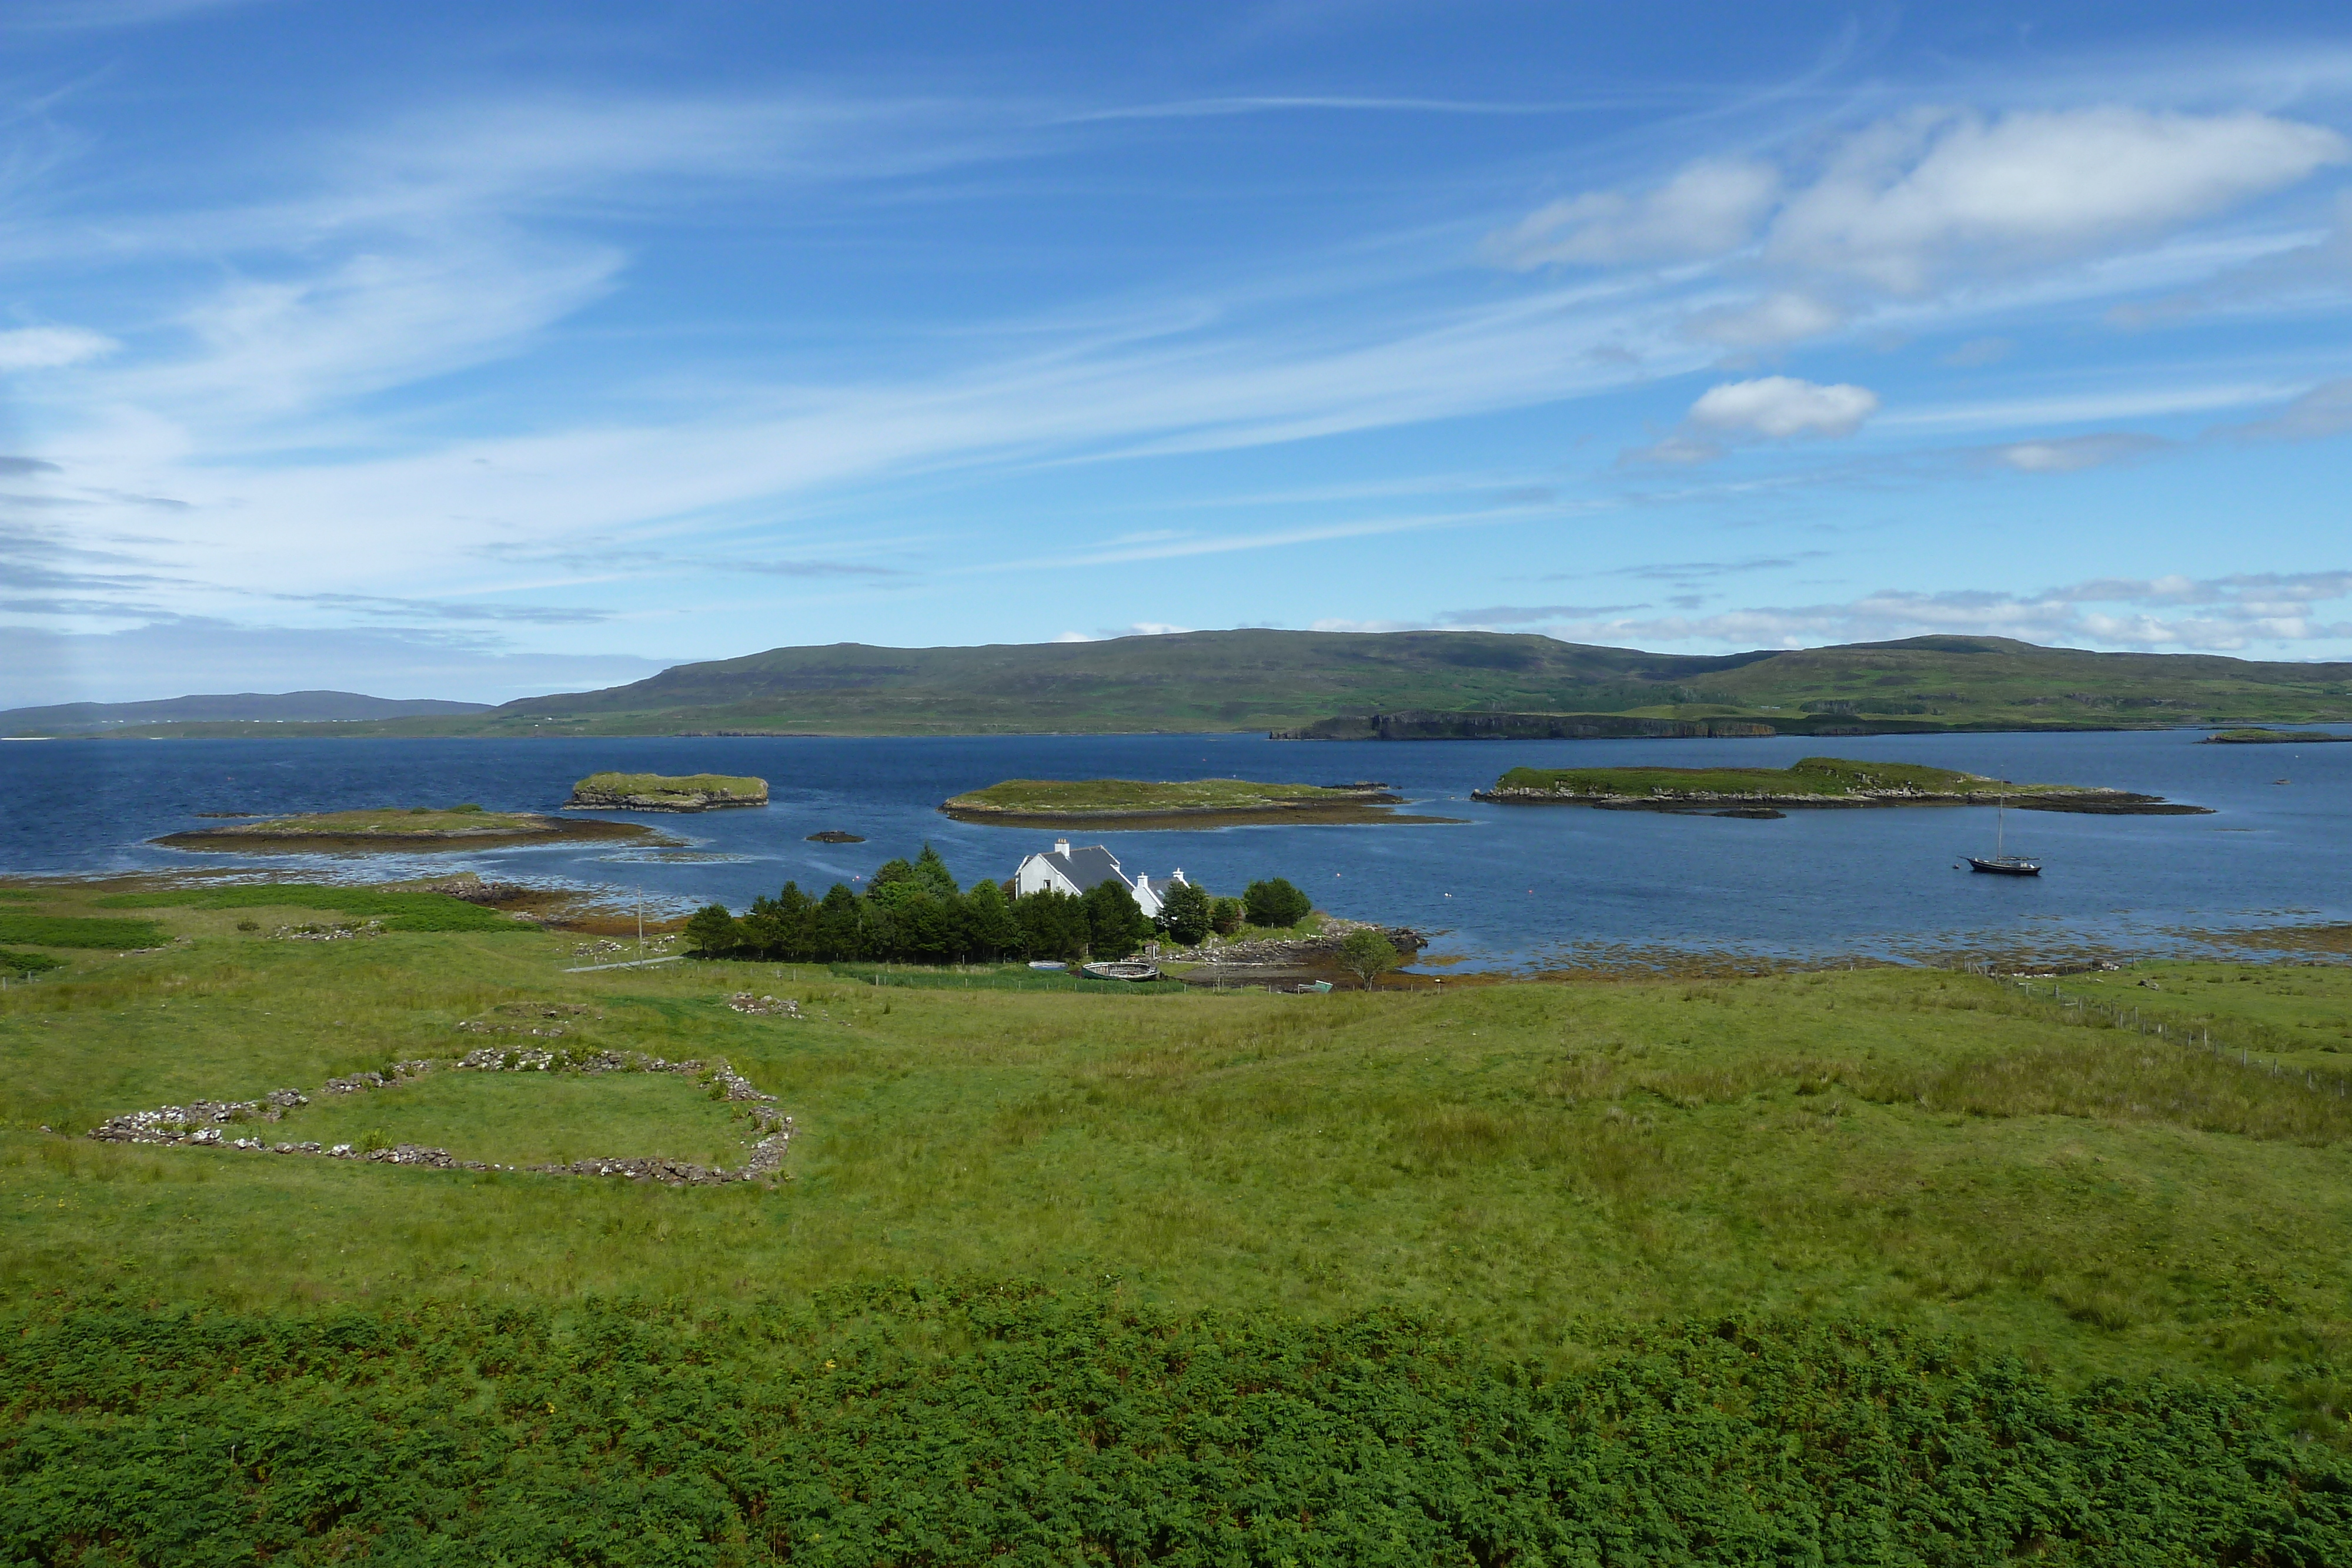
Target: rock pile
200, 1122
765, 1006
479, 892
325, 933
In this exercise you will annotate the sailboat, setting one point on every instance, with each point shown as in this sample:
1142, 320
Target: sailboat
2001, 862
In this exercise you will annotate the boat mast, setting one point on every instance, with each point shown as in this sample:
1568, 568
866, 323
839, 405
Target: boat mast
2001, 828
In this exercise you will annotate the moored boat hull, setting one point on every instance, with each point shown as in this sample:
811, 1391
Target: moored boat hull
2004, 865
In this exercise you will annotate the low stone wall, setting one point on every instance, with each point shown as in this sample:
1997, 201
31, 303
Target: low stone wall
210, 1122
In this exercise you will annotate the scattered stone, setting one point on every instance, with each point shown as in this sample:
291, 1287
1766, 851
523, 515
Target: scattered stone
324, 932
200, 1122
766, 1006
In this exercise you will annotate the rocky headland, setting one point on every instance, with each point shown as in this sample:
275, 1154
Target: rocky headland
1814, 783
1189, 803
2269, 736
660, 792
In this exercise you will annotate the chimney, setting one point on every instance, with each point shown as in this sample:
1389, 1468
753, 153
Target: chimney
1061, 846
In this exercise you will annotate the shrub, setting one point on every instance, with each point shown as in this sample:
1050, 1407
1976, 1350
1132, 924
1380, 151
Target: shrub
1367, 953
27, 963
1227, 914
1274, 902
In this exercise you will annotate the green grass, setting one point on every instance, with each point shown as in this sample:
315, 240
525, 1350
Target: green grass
987, 978
527, 1118
1930, 1203
970, 1425
399, 911
1133, 797
1821, 777
80, 931
17, 963
664, 784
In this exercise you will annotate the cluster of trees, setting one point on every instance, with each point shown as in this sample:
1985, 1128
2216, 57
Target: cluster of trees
913, 913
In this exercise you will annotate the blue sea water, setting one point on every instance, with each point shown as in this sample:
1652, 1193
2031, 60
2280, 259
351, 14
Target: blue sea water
1506, 886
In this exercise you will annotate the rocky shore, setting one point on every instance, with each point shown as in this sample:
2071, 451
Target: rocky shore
395, 829
216, 1123
1272, 960
658, 793
1736, 803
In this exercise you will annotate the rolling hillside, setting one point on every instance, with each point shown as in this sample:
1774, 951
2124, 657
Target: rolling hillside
1285, 680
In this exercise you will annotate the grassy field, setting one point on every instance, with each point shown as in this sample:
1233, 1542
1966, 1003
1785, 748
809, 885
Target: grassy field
1929, 1175
1814, 777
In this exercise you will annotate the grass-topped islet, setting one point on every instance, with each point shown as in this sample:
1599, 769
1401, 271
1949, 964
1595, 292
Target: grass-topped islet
1191, 802
1812, 781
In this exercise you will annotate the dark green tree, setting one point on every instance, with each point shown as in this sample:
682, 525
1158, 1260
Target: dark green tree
834, 929
778, 927
1115, 925
712, 933
1227, 914
1052, 925
1186, 913
993, 933
931, 874
1274, 902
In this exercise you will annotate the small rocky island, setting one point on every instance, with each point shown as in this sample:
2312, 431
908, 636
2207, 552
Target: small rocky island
658, 793
2268, 736
1189, 803
402, 828
1815, 781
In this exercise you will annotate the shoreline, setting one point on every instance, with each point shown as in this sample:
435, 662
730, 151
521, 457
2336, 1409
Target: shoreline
2089, 802
235, 841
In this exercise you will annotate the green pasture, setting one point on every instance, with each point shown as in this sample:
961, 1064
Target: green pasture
2001, 1203
400, 911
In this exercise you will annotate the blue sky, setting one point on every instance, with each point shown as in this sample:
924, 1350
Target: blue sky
476, 352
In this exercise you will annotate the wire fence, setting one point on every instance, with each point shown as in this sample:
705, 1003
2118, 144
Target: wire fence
2190, 1036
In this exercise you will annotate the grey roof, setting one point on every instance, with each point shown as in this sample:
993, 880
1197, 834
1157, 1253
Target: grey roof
1089, 867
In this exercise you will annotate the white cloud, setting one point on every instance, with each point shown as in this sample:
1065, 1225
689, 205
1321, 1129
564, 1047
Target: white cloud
2072, 455
1765, 323
2226, 615
1710, 207
1914, 201
51, 348
1781, 408
1906, 202
1073, 637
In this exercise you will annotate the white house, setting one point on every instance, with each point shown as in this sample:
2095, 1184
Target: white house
1066, 870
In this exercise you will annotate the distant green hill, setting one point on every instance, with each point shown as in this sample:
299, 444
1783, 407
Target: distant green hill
1462, 682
